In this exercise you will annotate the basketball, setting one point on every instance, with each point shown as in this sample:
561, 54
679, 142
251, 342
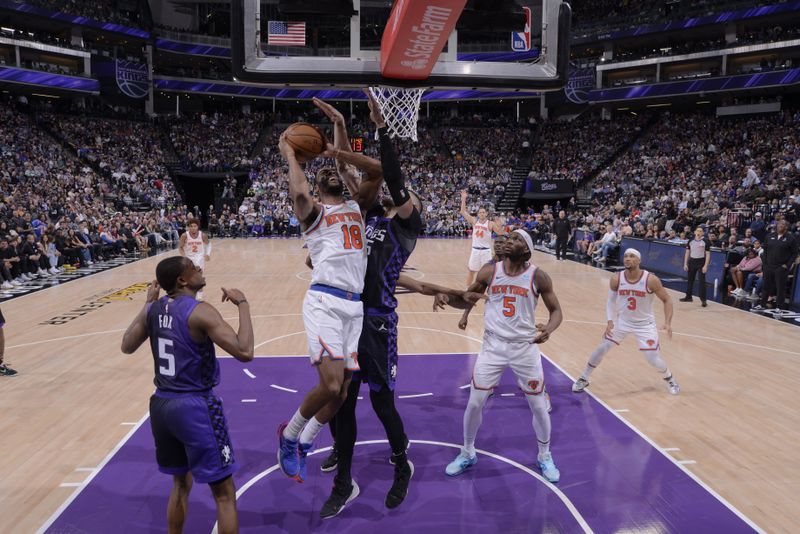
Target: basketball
307, 140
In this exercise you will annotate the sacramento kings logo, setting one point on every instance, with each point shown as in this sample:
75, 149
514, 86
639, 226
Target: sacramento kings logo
132, 79
579, 83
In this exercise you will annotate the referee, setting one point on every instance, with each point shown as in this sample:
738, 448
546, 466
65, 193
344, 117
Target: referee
563, 229
695, 261
780, 251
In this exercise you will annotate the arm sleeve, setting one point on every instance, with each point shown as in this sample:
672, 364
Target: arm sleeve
611, 305
392, 174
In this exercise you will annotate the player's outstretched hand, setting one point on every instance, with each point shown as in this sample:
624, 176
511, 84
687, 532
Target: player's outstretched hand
331, 112
234, 295
330, 151
152, 291
286, 149
208, 258
440, 300
374, 110
668, 329
543, 336
464, 194
462, 324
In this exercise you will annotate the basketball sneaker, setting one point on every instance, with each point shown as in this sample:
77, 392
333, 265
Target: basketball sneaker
288, 458
342, 494
303, 452
391, 456
549, 469
673, 386
402, 476
5, 370
460, 464
579, 385
331, 462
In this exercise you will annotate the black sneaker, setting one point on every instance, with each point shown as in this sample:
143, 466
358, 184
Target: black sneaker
341, 495
399, 490
5, 370
331, 462
686, 299
704, 304
391, 456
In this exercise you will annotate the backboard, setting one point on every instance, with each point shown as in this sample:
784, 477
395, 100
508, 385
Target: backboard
344, 50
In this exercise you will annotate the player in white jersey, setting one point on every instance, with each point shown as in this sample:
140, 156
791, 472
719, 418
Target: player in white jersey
482, 229
630, 311
195, 245
511, 339
333, 229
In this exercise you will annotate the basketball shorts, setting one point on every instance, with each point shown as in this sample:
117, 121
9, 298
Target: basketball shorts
646, 335
191, 434
199, 261
478, 258
497, 354
377, 352
333, 326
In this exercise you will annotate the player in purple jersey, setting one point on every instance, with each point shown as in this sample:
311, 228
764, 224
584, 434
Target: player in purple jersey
186, 417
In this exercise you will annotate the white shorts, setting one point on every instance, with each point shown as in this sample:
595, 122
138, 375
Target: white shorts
199, 261
646, 335
479, 258
333, 327
496, 354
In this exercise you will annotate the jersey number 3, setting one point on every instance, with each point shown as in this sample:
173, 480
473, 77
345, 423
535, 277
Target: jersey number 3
631, 303
163, 354
352, 237
508, 306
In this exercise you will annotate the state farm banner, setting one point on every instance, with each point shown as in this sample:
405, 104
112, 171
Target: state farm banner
415, 35
122, 78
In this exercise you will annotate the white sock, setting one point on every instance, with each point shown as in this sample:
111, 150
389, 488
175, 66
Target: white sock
473, 417
311, 430
295, 426
597, 357
541, 421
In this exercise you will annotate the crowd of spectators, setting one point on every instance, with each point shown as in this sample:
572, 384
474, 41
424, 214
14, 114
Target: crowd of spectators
216, 142
54, 210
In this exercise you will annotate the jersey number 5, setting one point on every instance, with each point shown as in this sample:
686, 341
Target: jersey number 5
163, 345
631, 303
508, 306
352, 237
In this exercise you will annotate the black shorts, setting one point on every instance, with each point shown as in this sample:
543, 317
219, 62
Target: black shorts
191, 434
377, 352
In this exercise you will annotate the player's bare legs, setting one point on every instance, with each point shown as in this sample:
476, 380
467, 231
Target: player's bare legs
224, 493
178, 504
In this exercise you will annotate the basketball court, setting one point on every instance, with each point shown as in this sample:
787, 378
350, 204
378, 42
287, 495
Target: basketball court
719, 456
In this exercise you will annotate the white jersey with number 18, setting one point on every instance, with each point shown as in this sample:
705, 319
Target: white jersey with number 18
336, 245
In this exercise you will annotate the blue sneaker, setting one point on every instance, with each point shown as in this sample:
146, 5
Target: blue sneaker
304, 448
549, 469
288, 459
460, 464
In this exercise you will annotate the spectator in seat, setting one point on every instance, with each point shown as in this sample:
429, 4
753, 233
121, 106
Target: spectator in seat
750, 265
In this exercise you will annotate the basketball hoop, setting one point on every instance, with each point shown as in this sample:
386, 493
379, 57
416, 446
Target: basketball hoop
400, 110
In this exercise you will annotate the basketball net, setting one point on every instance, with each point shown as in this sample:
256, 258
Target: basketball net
400, 110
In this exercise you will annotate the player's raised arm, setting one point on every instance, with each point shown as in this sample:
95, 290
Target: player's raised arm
206, 318
136, 334
655, 286
305, 207
464, 213
545, 286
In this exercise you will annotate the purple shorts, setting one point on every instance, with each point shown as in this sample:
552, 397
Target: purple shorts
191, 434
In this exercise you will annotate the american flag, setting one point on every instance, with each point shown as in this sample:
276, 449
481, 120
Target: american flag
286, 33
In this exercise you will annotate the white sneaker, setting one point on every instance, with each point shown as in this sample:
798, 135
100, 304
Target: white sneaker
579, 385
673, 386
739, 292
53, 270
42, 273
6, 285
16, 282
